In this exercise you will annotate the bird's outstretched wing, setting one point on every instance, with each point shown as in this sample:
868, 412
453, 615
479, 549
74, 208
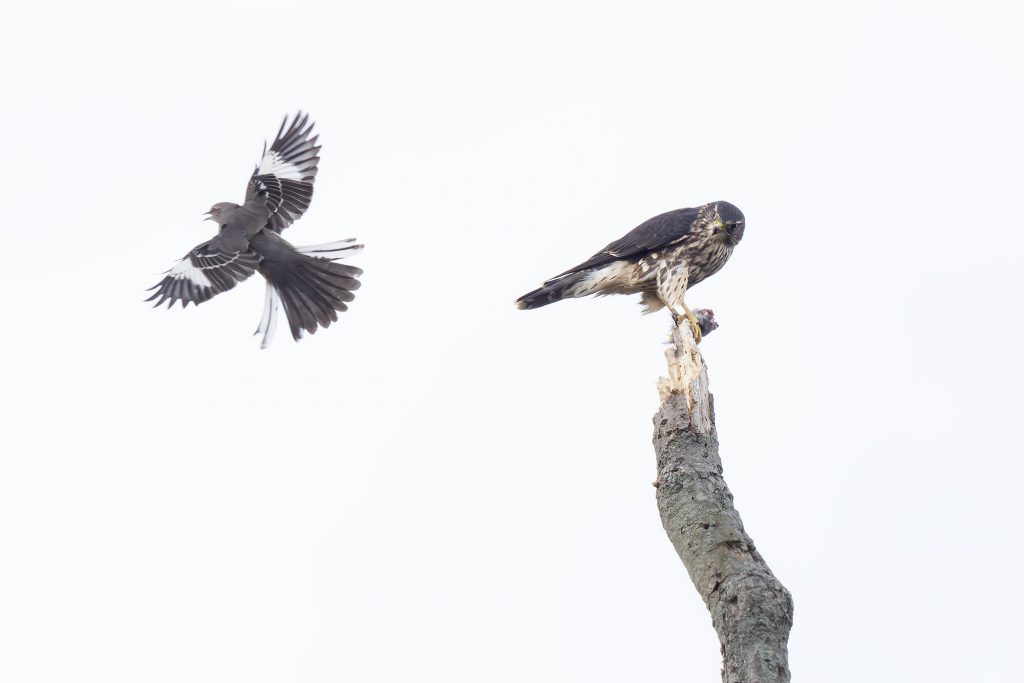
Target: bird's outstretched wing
654, 233
283, 181
205, 272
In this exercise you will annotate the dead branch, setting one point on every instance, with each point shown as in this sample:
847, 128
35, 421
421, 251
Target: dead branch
750, 609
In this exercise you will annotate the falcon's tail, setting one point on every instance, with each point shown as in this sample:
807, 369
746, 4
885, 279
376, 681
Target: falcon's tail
307, 281
552, 291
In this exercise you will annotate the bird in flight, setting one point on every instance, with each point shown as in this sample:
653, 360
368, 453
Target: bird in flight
659, 259
308, 281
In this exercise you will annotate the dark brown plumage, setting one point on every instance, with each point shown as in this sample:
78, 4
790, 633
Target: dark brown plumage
659, 259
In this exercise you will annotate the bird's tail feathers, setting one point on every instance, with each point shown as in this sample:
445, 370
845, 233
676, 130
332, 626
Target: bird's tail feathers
651, 303
552, 291
311, 286
333, 251
268, 323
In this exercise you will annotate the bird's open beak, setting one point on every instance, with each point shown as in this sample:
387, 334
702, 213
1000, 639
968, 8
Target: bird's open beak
209, 216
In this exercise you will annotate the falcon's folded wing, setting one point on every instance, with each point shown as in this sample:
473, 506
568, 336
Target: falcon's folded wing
205, 272
654, 233
283, 181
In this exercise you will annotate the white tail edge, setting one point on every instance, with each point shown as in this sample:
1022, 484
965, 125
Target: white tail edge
332, 251
268, 323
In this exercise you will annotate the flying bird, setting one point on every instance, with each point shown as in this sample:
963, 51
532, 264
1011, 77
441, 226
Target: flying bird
308, 281
659, 259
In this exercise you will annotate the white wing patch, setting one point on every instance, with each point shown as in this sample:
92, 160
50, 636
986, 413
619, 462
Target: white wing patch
204, 273
186, 270
274, 164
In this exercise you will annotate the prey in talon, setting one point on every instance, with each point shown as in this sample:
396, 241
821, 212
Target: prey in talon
660, 260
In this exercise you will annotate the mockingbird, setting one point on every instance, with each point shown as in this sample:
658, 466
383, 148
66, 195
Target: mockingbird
306, 280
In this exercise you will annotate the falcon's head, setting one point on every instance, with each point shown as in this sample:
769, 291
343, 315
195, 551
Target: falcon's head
722, 222
219, 211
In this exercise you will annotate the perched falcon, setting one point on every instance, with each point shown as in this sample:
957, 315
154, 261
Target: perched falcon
307, 280
659, 259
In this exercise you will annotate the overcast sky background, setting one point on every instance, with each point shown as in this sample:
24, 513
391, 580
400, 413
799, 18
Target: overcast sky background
441, 487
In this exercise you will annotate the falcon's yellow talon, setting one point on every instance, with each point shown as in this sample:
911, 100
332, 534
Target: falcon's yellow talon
694, 324
696, 328
692, 319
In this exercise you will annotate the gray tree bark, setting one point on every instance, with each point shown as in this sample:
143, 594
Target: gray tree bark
751, 610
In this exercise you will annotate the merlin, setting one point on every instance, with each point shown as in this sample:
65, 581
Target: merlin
307, 281
659, 259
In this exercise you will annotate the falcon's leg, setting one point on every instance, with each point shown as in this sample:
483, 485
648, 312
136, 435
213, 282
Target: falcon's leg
672, 280
688, 314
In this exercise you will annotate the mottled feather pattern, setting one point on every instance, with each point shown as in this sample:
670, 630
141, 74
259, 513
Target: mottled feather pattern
660, 259
655, 233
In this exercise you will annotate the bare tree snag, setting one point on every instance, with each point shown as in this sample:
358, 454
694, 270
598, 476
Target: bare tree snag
750, 609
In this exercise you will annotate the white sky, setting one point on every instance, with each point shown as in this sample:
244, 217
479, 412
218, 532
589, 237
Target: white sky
441, 487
